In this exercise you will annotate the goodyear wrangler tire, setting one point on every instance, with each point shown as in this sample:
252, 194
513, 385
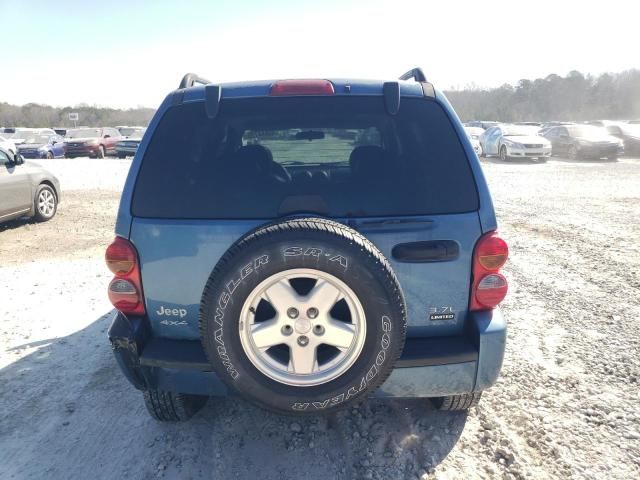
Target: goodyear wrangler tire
302, 316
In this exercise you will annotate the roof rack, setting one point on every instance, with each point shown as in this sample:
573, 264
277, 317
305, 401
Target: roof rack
415, 73
418, 75
190, 79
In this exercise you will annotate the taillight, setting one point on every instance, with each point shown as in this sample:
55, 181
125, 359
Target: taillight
125, 290
302, 87
489, 287
120, 256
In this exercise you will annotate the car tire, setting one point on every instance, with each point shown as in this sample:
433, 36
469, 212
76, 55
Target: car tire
457, 402
503, 153
329, 288
121, 156
172, 407
100, 152
572, 153
45, 203
49, 156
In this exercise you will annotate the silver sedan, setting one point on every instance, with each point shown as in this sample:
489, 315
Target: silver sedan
26, 189
514, 141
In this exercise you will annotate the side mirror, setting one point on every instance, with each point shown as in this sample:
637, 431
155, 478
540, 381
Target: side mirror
18, 159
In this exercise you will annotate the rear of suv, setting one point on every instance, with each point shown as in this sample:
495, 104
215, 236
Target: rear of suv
306, 244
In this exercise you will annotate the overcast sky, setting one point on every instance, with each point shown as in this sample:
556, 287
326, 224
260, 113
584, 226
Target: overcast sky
126, 53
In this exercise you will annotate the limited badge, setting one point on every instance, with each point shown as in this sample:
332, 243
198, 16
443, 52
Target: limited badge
441, 313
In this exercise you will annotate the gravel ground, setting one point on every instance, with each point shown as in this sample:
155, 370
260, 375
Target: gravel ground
565, 406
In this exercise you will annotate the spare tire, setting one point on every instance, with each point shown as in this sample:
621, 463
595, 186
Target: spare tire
302, 316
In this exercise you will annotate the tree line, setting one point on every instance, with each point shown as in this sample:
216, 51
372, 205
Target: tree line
36, 115
574, 97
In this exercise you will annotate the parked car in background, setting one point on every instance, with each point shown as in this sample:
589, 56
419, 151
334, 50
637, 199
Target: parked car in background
8, 145
60, 131
530, 124
584, 141
555, 124
128, 146
515, 141
91, 142
474, 136
26, 189
131, 131
19, 135
42, 146
629, 134
484, 124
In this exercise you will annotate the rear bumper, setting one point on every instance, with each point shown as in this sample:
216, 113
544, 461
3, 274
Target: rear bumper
429, 367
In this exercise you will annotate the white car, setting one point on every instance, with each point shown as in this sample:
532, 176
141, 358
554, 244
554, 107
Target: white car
515, 141
8, 145
474, 136
19, 135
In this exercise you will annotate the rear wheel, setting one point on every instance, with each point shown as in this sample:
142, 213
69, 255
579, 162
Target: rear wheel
45, 203
457, 402
172, 407
49, 155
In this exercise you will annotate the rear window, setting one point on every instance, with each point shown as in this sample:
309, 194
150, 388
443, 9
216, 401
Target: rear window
262, 158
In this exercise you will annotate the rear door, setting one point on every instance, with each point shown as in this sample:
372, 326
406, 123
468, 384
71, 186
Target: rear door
15, 189
403, 181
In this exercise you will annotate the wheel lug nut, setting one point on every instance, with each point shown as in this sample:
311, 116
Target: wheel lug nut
303, 340
293, 312
312, 312
287, 330
318, 329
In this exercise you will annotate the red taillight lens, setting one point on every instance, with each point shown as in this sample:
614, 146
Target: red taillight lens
491, 290
302, 87
492, 252
120, 256
489, 287
124, 295
125, 290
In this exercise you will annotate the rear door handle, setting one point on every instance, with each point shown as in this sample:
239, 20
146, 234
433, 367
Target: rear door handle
426, 252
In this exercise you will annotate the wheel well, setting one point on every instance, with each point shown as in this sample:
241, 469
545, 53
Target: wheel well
49, 184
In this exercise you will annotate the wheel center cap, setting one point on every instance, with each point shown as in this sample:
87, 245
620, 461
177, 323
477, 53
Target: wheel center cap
302, 325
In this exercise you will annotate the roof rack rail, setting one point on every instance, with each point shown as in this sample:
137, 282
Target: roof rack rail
416, 74
190, 79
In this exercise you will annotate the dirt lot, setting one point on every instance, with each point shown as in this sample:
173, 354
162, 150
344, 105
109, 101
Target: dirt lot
566, 404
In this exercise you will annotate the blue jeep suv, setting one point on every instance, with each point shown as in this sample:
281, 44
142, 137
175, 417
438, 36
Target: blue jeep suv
305, 244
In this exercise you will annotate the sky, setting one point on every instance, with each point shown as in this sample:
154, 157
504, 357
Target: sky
129, 53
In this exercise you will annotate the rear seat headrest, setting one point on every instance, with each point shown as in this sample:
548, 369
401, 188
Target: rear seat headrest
255, 158
367, 158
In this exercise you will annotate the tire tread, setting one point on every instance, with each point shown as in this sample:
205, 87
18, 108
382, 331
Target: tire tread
332, 229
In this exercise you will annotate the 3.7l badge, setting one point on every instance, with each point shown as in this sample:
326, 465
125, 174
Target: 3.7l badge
441, 313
